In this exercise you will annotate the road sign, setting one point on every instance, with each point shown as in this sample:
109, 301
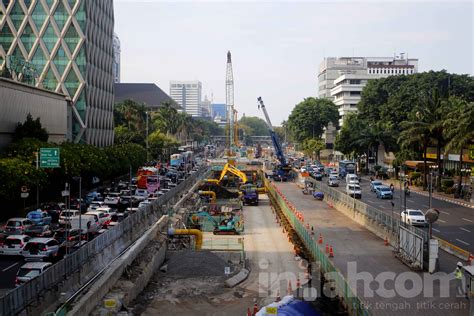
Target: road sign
49, 157
271, 310
24, 195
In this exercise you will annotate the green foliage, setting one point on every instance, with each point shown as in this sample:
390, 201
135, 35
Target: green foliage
346, 139
160, 144
123, 135
312, 147
308, 118
15, 173
30, 129
253, 126
130, 114
447, 183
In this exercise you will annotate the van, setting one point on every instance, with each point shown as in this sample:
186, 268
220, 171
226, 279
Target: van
89, 223
352, 178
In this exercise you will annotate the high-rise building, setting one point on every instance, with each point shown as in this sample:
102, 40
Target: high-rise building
219, 109
342, 80
116, 66
68, 48
206, 107
188, 95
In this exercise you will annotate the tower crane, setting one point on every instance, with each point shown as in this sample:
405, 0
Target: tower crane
282, 170
229, 89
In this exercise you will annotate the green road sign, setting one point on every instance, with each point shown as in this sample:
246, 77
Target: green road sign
49, 157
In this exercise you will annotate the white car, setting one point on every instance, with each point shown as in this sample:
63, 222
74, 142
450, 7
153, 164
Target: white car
94, 205
354, 191
333, 181
141, 192
414, 217
112, 199
88, 223
30, 270
66, 215
351, 178
13, 245
38, 249
107, 210
103, 217
144, 204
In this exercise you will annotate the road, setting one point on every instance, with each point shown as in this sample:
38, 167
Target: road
9, 266
455, 224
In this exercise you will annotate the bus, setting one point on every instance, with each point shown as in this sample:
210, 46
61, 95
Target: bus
176, 160
346, 167
152, 183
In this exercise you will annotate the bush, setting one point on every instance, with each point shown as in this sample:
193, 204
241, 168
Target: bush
415, 175
446, 183
449, 190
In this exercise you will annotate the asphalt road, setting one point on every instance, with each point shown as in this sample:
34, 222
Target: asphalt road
9, 266
455, 224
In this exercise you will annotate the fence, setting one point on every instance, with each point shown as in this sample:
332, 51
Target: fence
17, 299
389, 221
342, 288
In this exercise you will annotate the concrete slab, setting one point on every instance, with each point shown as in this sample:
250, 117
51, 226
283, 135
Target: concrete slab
390, 287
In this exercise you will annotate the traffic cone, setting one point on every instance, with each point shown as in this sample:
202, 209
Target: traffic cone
327, 248
331, 253
385, 242
249, 313
255, 309
320, 241
298, 283
470, 259
278, 298
290, 290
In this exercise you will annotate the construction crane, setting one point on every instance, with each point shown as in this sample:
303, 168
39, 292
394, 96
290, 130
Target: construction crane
282, 170
229, 98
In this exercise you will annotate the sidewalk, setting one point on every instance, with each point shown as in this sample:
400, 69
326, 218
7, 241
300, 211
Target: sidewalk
383, 282
437, 195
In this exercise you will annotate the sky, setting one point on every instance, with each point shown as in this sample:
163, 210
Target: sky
277, 46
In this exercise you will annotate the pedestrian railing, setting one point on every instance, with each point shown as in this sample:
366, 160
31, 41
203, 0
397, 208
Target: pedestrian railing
352, 302
17, 299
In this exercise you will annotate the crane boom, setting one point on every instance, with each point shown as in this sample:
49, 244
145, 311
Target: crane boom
276, 142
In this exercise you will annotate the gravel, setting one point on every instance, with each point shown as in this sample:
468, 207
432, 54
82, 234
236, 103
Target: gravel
188, 264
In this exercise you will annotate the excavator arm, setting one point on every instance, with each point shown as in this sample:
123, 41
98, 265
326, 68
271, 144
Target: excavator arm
229, 168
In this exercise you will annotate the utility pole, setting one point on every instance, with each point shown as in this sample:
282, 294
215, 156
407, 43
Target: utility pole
146, 139
37, 184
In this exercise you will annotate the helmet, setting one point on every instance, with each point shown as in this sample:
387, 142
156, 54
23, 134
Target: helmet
459, 264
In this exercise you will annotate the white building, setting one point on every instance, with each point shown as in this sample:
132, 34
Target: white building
342, 80
116, 65
188, 95
206, 107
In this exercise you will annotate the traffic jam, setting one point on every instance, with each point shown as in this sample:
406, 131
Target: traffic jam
30, 245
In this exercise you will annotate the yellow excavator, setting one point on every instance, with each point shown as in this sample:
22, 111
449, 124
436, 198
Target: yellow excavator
229, 168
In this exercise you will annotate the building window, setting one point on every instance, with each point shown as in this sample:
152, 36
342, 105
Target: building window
355, 93
354, 81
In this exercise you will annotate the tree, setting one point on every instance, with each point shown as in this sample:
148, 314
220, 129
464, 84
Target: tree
15, 173
30, 129
312, 147
309, 118
130, 114
160, 144
123, 135
346, 139
459, 129
254, 126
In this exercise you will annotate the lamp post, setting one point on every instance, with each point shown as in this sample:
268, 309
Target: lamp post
80, 202
146, 139
431, 184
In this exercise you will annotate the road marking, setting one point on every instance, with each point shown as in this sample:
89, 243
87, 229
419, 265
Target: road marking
9, 267
445, 212
440, 220
463, 242
436, 230
466, 230
467, 220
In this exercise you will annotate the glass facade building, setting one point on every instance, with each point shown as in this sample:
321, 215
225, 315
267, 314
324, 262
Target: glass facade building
70, 43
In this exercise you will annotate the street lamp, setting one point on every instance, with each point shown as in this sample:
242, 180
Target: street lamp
433, 167
147, 148
80, 203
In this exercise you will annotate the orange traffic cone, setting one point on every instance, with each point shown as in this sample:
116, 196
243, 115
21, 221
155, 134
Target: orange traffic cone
320, 241
331, 253
298, 283
385, 242
249, 313
255, 309
290, 290
327, 248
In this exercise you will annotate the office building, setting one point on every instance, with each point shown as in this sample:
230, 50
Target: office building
219, 109
148, 94
188, 95
206, 108
65, 47
116, 66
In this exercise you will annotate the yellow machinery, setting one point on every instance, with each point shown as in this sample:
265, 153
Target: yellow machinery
194, 232
229, 168
212, 194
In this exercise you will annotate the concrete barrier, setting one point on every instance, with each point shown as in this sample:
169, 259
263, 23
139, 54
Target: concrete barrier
452, 249
102, 286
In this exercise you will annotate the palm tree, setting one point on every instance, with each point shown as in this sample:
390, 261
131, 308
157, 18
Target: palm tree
459, 129
371, 137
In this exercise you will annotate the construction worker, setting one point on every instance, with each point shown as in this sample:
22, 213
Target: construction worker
458, 274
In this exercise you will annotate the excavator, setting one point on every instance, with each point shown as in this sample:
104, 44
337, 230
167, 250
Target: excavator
229, 168
224, 227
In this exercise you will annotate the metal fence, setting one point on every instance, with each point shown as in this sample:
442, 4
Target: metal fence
380, 217
342, 288
17, 299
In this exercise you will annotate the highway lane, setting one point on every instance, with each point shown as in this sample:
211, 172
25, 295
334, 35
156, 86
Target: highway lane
9, 266
455, 224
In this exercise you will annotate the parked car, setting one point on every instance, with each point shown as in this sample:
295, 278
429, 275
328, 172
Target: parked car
63, 235
13, 245
383, 192
30, 270
39, 231
374, 184
354, 190
66, 215
333, 181
414, 217
17, 225
39, 217
40, 249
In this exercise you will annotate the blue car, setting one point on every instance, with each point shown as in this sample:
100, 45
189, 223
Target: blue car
383, 192
39, 217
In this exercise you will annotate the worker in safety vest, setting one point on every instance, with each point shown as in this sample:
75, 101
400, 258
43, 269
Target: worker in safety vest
458, 274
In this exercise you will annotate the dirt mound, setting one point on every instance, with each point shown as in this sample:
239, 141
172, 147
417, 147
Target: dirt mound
188, 264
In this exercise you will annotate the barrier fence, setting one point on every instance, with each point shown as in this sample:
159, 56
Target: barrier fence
17, 299
353, 303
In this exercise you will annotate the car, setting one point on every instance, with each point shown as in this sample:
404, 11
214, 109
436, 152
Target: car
30, 270
351, 178
38, 249
103, 217
88, 223
354, 190
125, 193
63, 235
141, 192
39, 217
374, 184
112, 199
333, 181
353, 181
317, 175
13, 245
39, 231
144, 204
17, 225
94, 205
66, 215
383, 192
414, 217
107, 210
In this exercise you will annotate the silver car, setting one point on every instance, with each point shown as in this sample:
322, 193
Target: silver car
13, 245
30, 270
38, 249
